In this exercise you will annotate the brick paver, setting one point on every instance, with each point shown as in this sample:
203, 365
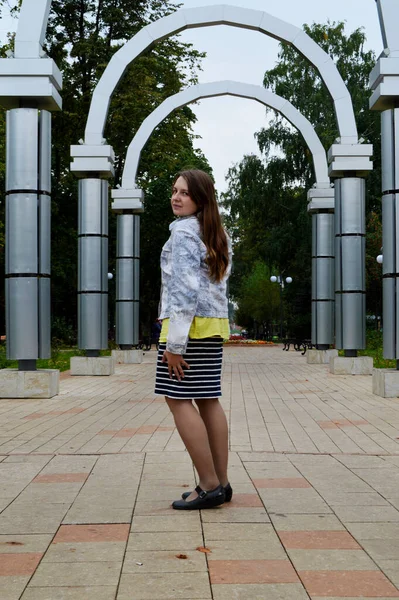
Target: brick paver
87, 478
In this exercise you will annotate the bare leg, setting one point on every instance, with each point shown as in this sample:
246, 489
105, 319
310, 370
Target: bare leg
215, 421
193, 432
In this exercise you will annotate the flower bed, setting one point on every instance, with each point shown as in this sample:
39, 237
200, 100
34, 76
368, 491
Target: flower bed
244, 342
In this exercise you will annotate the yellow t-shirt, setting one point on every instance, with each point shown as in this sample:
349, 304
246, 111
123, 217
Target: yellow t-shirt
201, 327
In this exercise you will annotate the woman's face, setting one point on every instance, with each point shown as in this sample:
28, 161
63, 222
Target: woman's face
182, 203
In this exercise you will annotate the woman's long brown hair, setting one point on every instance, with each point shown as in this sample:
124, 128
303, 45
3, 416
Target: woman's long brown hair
202, 192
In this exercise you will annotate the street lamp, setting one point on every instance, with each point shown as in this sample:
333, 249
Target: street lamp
380, 260
280, 280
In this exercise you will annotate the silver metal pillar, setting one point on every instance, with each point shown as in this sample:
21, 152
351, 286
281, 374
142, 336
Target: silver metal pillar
350, 272
323, 279
127, 280
384, 83
390, 231
28, 216
93, 266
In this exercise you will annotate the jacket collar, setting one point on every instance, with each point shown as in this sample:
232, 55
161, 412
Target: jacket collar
180, 219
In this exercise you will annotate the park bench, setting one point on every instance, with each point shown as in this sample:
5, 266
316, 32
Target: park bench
298, 343
146, 342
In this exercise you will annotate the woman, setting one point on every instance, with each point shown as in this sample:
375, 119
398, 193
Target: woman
195, 264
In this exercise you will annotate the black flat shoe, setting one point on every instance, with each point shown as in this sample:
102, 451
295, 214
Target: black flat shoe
228, 493
204, 500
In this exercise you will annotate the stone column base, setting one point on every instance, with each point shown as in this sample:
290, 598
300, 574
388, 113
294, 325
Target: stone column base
43, 383
386, 383
320, 357
345, 365
127, 357
92, 365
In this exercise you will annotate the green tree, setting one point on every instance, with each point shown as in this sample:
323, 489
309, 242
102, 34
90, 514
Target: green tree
258, 300
267, 197
268, 221
296, 79
82, 37
373, 269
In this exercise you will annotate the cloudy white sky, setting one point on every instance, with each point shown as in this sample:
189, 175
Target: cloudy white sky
227, 125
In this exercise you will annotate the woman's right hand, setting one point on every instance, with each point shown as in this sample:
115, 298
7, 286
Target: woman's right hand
175, 364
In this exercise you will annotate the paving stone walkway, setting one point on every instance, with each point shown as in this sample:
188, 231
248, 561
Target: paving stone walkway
86, 481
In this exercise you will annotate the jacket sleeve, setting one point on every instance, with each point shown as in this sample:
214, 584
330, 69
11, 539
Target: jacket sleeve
184, 289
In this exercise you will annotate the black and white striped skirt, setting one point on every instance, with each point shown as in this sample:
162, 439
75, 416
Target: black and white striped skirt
202, 380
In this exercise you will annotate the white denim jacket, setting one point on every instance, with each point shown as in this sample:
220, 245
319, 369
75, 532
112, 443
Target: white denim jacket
187, 290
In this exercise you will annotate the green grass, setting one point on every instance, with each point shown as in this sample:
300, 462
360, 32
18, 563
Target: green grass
379, 361
60, 359
374, 349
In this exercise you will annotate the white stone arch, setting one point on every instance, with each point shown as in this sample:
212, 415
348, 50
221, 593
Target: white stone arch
31, 30
225, 88
220, 15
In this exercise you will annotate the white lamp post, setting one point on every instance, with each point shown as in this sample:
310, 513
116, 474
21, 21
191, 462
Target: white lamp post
380, 260
280, 280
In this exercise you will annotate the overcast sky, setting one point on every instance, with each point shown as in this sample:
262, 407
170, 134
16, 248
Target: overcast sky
227, 125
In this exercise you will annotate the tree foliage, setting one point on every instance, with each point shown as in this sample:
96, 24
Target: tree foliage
258, 299
297, 80
267, 197
82, 37
373, 269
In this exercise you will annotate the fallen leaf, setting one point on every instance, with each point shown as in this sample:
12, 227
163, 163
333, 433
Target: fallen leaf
204, 550
14, 544
182, 556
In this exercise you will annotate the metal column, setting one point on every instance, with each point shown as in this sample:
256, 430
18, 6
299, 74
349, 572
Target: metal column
127, 280
350, 271
390, 231
28, 216
384, 83
323, 280
93, 266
